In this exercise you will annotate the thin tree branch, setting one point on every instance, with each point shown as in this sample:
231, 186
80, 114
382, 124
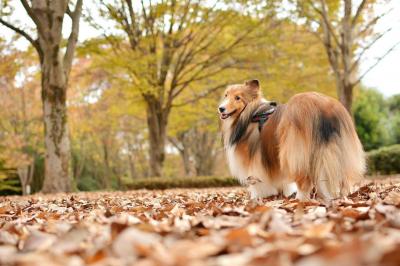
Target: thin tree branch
366, 48
217, 55
73, 37
197, 77
22, 33
358, 12
373, 22
376, 63
34, 17
69, 12
202, 95
176, 144
324, 16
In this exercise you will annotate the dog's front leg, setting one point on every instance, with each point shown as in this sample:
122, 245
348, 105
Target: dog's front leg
259, 189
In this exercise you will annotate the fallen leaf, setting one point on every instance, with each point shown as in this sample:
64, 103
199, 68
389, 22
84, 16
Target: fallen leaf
128, 240
240, 236
319, 230
38, 241
393, 198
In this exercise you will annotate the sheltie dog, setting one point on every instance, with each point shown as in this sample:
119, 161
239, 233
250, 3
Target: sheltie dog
309, 144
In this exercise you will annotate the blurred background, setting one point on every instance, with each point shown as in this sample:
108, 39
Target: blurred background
140, 82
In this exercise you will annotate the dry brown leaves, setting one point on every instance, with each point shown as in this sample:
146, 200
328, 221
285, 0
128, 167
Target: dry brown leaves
218, 226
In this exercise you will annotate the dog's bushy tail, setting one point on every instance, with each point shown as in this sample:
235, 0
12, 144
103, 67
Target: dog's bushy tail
319, 146
338, 160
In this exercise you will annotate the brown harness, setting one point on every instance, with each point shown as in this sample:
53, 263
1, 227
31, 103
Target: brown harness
262, 117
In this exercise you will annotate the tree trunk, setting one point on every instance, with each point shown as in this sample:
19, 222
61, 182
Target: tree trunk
107, 174
25, 175
340, 51
204, 153
57, 144
205, 165
186, 161
182, 143
345, 93
55, 68
78, 163
157, 124
132, 167
346, 97
55, 63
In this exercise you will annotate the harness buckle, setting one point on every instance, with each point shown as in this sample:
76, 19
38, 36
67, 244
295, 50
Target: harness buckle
262, 117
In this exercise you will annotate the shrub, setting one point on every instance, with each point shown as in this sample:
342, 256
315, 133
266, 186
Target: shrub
9, 181
87, 183
182, 182
371, 119
385, 160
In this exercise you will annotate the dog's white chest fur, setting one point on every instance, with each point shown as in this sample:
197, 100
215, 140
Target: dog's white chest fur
256, 170
235, 163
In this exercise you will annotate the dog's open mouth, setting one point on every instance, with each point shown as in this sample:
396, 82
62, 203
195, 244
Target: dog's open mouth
225, 116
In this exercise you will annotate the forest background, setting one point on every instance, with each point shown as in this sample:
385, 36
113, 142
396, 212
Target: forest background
135, 97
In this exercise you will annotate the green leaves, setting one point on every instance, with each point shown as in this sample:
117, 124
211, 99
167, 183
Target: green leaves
373, 124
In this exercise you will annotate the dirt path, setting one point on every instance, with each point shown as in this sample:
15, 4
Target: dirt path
218, 226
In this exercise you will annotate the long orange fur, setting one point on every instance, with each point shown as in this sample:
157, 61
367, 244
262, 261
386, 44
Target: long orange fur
310, 141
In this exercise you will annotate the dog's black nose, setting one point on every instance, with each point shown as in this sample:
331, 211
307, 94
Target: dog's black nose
273, 103
221, 109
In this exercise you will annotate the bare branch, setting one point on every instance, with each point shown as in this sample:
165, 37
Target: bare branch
172, 17
332, 52
373, 22
22, 33
69, 12
358, 12
134, 26
184, 59
324, 15
131, 12
210, 60
376, 63
204, 94
198, 77
175, 143
366, 48
73, 37
183, 18
33, 16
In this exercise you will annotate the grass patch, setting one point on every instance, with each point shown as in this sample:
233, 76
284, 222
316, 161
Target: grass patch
182, 182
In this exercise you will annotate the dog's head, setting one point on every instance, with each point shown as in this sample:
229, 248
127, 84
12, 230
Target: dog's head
237, 97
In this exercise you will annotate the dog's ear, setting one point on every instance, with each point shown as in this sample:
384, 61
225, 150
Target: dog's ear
254, 87
254, 84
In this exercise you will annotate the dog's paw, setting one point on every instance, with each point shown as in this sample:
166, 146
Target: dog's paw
262, 190
252, 180
289, 189
303, 196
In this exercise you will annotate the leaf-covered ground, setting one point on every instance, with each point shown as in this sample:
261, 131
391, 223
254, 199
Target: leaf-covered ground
219, 226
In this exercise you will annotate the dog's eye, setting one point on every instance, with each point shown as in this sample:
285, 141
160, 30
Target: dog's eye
237, 98
226, 95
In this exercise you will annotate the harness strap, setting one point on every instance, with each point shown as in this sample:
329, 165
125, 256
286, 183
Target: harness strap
262, 117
